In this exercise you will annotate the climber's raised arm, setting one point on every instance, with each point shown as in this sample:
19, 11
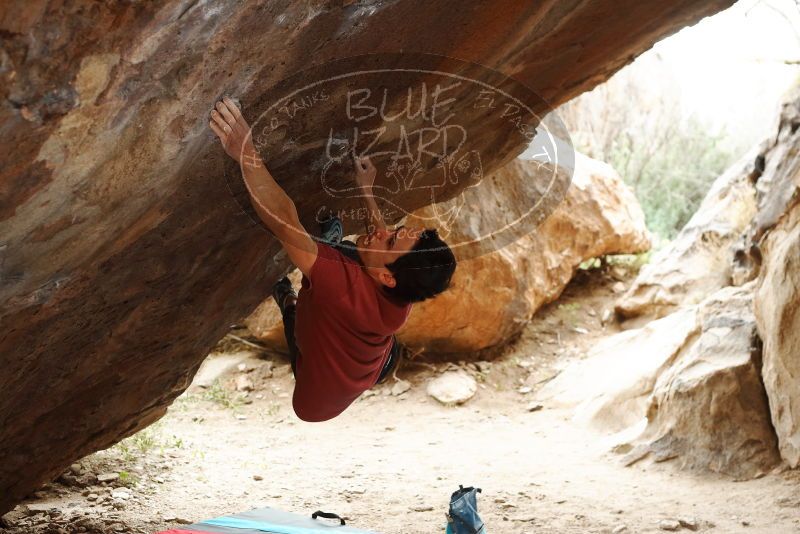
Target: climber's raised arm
365, 179
270, 201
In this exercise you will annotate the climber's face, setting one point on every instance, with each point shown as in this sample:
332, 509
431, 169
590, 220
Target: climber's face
381, 247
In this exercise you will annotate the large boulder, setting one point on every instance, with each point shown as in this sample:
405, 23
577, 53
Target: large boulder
124, 256
494, 294
709, 410
768, 250
778, 313
758, 199
699, 260
610, 390
720, 245
685, 387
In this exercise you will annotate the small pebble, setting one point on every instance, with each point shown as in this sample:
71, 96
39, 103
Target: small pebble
669, 524
421, 508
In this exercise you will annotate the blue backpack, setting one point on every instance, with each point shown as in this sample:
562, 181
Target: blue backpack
463, 516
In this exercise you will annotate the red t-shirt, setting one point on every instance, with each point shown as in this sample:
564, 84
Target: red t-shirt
343, 329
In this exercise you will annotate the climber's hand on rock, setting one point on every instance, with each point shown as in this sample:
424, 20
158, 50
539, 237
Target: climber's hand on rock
233, 132
365, 172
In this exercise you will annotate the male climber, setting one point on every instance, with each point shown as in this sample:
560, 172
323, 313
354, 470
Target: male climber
353, 297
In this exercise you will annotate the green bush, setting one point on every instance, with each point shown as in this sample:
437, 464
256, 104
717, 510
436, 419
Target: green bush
636, 123
671, 182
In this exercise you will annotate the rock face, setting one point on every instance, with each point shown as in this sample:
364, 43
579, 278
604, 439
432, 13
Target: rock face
699, 260
777, 230
709, 409
746, 228
686, 386
611, 389
716, 397
778, 312
123, 255
494, 294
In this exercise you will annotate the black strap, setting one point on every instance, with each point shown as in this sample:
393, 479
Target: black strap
327, 515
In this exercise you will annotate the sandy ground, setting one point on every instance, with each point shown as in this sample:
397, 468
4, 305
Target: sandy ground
390, 462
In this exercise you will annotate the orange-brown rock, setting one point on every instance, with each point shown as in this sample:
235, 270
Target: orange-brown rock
123, 255
495, 294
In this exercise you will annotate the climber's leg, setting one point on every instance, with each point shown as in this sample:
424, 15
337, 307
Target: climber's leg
392, 361
286, 299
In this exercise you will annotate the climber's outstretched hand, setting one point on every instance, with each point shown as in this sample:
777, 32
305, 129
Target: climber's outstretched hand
365, 173
233, 131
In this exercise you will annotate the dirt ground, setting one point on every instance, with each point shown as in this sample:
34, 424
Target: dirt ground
390, 462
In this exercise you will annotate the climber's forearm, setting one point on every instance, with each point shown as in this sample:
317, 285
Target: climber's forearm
279, 213
270, 201
374, 217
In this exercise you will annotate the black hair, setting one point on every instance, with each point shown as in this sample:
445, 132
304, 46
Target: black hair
424, 271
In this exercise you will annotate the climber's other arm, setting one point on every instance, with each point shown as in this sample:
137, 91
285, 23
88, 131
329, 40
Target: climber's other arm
270, 201
365, 179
